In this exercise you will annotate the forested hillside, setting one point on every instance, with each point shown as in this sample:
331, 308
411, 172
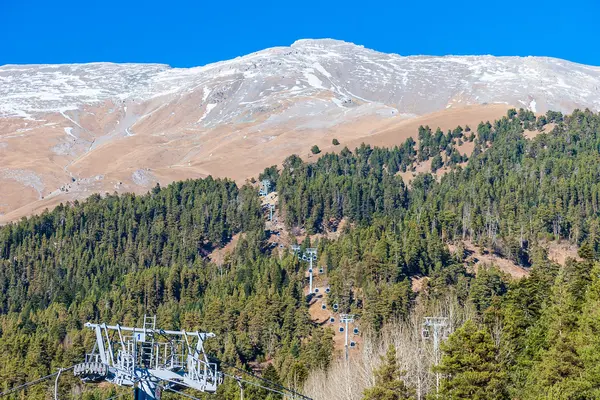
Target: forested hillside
115, 258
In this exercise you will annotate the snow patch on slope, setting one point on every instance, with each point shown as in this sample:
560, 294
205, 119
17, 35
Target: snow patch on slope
69, 131
532, 105
209, 108
313, 80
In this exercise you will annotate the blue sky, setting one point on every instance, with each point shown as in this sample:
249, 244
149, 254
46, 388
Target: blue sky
190, 33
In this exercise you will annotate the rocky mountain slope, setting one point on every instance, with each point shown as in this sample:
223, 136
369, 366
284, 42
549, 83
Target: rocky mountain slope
67, 131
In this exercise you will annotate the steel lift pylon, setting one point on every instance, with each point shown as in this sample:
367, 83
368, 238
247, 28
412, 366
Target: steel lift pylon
149, 359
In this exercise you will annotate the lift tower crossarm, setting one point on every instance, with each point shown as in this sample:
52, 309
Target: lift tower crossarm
157, 331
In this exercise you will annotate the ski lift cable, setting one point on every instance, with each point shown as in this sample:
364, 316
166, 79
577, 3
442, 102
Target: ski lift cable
189, 396
267, 381
237, 378
264, 380
34, 382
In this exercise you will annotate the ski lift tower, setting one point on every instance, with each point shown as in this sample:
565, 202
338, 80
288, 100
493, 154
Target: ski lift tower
271, 211
438, 329
149, 359
309, 255
347, 319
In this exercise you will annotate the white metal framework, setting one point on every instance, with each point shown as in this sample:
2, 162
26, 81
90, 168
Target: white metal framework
265, 187
271, 212
149, 359
436, 328
309, 255
347, 319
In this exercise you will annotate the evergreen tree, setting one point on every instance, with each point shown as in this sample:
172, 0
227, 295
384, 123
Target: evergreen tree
388, 380
436, 163
470, 366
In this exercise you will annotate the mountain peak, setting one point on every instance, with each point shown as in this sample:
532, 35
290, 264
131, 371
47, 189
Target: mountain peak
322, 42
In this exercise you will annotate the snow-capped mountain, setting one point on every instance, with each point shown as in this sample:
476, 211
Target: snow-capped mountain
259, 82
80, 128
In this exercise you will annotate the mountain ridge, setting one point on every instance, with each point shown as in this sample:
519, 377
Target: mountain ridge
78, 129
147, 81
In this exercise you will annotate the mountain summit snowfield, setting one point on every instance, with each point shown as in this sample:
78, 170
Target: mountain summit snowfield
69, 130
240, 88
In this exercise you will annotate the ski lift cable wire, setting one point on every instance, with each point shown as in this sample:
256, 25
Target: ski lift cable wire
237, 378
261, 378
34, 382
189, 396
266, 381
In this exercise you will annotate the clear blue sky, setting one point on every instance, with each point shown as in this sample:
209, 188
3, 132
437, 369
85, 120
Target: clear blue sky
190, 33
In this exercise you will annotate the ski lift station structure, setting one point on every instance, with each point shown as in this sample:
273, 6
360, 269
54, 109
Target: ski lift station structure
149, 359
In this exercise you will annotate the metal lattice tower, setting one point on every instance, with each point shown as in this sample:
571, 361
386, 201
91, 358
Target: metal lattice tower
148, 359
346, 319
438, 329
271, 211
309, 255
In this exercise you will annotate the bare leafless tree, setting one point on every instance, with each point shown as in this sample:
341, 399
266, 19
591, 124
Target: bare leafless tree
347, 380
